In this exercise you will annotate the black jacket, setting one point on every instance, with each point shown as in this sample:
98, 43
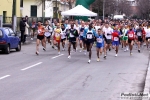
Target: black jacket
22, 26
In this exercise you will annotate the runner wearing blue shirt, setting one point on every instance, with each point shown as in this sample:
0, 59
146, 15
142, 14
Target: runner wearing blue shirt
99, 43
89, 35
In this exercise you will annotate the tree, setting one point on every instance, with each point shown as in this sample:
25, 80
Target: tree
144, 10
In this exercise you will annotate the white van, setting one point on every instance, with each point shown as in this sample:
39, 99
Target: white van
121, 17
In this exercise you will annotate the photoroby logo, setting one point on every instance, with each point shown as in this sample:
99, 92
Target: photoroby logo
134, 96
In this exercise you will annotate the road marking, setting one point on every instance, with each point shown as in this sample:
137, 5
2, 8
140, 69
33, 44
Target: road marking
57, 56
4, 77
31, 66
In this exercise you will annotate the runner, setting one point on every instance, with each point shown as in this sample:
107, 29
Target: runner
108, 36
125, 38
82, 44
57, 37
73, 33
148, 36
63, 36
89, 39
33, 29
48, 32
99, 44
77, 26
139, 36
40, 37
116, 36
131, 38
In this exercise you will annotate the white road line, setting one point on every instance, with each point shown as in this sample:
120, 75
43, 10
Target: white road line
31, 66
57, 56
4, 77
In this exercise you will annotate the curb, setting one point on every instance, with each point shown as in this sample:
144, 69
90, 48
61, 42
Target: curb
147, 80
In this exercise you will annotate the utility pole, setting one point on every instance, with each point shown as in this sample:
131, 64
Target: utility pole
56, 5
13, 13
103, 9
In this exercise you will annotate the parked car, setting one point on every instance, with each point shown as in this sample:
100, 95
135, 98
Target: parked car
9, 40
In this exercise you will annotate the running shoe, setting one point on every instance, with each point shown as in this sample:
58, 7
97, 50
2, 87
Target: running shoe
98, 59
105, 57
44, 49
37, 53
116, 55
69, 57
89, 61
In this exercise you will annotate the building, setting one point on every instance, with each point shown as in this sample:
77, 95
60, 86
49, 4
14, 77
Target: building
6, 8
33, 8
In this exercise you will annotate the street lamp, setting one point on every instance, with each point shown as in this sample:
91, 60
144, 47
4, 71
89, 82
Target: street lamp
103, 9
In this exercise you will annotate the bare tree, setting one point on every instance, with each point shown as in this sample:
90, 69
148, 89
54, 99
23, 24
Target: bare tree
144, 10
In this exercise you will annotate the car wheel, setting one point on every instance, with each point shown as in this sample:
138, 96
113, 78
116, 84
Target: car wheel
7, 50
18, 47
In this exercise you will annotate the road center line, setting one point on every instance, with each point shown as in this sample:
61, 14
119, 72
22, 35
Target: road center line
4, 77
57, 56
31, 66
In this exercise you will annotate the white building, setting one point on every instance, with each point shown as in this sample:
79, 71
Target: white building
33, 8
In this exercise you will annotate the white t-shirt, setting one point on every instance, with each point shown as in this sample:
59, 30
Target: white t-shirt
147, 32
108, 32
97, 27
63, 34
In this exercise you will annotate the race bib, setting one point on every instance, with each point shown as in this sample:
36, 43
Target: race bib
139, 33
131, 35
116, 39
99, 40
57, 35
81, 33
89, 36
39, 31
47, 34
71, 35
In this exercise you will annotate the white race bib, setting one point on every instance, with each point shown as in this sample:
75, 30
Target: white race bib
116, 39
71, 35
39, 31
57, 35
89, 36
47, 34
130, 35
99, 40
139, 33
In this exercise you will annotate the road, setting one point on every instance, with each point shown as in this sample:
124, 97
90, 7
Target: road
25, 76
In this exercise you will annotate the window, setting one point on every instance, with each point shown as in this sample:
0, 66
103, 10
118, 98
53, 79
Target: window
33, 11
11, 31
21, 3
7, 31
4, 16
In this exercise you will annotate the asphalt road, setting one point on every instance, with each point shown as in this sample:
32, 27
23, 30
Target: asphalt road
25, 76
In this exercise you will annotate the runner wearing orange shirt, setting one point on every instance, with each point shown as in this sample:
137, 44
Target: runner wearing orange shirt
40, 37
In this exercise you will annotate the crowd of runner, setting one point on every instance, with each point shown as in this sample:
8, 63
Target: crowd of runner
105, 35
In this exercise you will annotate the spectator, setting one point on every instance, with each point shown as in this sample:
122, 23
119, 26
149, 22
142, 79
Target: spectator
22, 29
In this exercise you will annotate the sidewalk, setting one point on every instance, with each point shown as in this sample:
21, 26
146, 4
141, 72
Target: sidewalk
29, 41
147, 80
